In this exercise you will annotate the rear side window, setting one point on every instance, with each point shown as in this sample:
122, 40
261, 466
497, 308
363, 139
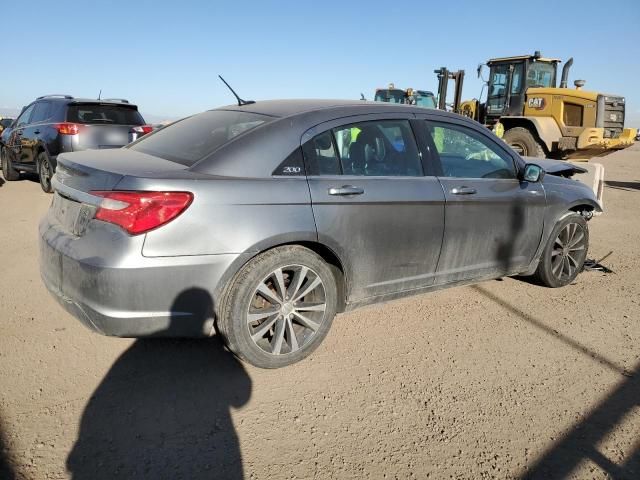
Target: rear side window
320, 155
41, 112
192, 139
379, 148
96, 114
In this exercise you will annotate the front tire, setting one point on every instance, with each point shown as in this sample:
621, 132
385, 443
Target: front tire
279, 307
524, 142
10, 174
45, 172
566, 250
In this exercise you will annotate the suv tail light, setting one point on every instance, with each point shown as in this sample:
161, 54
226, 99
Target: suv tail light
142, 129
140, 212
67, 128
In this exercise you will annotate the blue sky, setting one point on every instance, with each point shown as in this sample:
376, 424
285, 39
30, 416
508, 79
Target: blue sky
165, 56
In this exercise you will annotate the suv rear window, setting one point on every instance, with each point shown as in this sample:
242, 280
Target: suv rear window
104, 114
192, 139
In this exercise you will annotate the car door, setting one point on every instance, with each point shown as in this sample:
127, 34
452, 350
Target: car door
373, 204
15, 139
32, 132
493, 221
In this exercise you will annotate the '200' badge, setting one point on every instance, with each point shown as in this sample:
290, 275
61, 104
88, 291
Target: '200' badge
536, 102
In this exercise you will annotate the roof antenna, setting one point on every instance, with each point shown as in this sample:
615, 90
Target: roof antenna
100, 94
240, 101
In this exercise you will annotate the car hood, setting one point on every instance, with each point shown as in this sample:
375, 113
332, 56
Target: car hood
556, 167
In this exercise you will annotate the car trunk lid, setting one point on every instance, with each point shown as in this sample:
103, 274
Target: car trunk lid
78, 174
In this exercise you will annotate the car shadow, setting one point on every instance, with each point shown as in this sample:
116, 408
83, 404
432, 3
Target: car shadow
164, 409
6, 468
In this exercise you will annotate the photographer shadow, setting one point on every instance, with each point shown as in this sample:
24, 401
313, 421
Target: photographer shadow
163, 410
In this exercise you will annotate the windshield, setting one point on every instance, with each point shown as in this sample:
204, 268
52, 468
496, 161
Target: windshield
192, 139
426, 100
541, 74
390, 96
96, 114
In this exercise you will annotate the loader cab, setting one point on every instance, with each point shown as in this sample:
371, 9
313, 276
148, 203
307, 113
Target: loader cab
509, 79
390, 95
424, 98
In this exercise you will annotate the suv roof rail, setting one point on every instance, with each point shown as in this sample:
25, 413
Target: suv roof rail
55, 95
121, 100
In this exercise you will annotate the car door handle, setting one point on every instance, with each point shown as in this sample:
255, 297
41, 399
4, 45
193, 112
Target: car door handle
37, 132
463, 191
19, 134
346, 190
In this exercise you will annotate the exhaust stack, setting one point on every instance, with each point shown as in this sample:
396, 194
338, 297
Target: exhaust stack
565, 73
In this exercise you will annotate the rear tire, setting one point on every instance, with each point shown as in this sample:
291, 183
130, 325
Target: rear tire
45, 172
10, 174
279, 307
564, 255
524, 142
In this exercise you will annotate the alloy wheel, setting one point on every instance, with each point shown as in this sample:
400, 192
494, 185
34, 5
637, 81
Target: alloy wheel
568, 251
286, 310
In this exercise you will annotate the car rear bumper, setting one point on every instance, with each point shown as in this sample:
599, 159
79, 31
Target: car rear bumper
125, 294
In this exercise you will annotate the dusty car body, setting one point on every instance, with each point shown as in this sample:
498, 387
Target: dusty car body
268, 212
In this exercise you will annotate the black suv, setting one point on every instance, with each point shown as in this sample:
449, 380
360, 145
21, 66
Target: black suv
55, 124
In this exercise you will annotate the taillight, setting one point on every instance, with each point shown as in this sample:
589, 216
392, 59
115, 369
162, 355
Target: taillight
139, 212
142, 129
68, 128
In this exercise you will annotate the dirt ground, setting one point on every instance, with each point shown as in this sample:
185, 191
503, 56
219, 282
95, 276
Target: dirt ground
499, 380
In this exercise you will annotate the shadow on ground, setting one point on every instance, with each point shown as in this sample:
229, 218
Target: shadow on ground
581, 442
6, 469
163, 410
622, 185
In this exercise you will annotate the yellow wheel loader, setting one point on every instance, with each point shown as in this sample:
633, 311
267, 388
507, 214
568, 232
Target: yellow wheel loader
539, 119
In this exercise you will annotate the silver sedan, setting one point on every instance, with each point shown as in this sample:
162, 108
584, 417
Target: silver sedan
263, 221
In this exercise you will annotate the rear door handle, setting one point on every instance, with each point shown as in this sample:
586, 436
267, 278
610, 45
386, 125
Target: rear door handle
346, 190
37, 132
463, 191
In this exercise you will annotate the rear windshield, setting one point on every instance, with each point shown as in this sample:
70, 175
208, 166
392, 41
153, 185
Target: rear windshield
104, 114
193, 138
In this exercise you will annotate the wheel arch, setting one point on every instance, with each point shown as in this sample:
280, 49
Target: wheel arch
585, 204
544, 128
328, 254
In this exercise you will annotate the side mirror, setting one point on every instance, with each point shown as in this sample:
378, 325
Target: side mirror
532, 173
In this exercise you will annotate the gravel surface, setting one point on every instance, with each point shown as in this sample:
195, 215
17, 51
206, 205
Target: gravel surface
500, 380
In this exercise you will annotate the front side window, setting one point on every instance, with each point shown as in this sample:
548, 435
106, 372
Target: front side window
23, 119
192, 139
464, 153
378, 148
516, 79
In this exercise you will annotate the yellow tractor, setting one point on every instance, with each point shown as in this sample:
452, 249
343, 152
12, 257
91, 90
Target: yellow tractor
538, 119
